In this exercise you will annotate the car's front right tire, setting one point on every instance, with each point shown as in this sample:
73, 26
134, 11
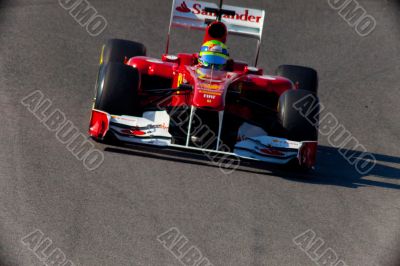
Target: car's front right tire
298, 112
304, 78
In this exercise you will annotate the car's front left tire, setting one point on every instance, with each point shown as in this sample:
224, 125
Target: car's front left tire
118, 51
117, 90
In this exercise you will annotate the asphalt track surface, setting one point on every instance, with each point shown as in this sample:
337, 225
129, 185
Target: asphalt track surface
112, 216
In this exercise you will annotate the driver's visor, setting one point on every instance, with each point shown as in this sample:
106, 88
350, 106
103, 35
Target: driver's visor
224, 51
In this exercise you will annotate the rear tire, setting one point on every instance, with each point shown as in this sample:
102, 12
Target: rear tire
304, 78
117, 90
118, 51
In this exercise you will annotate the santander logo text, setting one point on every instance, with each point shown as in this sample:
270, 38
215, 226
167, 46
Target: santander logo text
197, 9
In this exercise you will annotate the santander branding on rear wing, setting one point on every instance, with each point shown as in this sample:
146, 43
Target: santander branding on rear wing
246, 22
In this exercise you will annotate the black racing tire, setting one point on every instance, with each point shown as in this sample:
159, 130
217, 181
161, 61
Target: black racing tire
304, 78
117, 51
298, 112
117, 90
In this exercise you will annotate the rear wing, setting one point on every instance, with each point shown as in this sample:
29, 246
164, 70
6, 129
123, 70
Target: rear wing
189, 14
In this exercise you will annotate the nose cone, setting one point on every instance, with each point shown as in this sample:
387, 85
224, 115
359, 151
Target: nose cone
210, 89
209, 96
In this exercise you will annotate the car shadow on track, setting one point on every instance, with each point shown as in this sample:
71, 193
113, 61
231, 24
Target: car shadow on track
332, 168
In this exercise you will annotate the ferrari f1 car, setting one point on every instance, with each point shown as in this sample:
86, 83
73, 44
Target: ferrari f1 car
228, 108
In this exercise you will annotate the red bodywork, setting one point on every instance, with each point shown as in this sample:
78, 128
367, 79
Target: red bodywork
209, 87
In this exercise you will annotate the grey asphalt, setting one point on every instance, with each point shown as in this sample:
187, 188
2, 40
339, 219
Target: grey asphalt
113, 215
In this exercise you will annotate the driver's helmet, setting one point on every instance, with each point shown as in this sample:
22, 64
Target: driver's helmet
214, 54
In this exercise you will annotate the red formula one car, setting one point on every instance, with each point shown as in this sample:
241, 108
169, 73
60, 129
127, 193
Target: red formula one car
207, 101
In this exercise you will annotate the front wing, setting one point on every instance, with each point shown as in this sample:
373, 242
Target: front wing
153, 129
